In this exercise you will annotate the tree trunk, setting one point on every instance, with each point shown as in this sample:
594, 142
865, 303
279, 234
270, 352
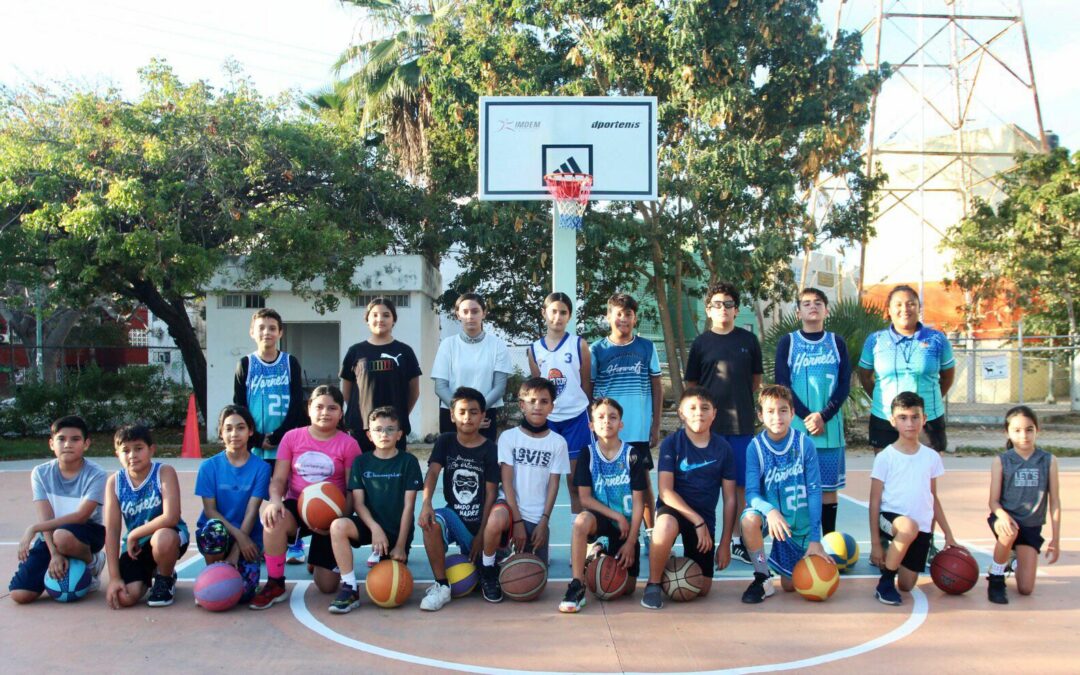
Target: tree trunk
54, 333
670, 342
680, 320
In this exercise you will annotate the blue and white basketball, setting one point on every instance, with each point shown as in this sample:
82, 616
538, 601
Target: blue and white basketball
843, 549
74, 585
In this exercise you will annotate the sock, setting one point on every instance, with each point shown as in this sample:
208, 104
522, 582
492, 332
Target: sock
888, 575
442, 582
349, 578
275, 567
736, 541
488, 560
997, 568
828, 518
758, 559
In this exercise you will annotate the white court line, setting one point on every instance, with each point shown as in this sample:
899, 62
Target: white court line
919, 611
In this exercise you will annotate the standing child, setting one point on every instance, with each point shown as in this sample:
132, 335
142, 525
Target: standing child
380, 371
269, 383
611, 478
1023, 482
695, 465
144, 496
233, 485
68, 493
813, 363
726, 360
313, 454
566, 361
783, 494
903, 501
531, 460
626, 367
470, 488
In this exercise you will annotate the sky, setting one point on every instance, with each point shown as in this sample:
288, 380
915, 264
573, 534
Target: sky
292, 44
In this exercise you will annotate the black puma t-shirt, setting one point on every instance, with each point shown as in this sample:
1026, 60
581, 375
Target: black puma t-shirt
380, 375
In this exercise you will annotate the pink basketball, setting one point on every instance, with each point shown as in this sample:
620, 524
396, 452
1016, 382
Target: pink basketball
218, 587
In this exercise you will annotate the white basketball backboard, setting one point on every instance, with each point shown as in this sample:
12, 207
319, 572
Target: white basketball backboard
524, 137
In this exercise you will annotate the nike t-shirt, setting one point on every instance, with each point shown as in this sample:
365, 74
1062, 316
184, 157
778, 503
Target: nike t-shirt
698, 471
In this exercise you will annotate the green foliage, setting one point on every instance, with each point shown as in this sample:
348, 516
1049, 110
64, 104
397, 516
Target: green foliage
134, 394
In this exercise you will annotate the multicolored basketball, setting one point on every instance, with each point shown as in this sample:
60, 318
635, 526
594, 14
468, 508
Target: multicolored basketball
815, 578
320, 504
954, 570
843, 549
218, 587
606, 578
523, 577
683, 580
389, 584
74, 585
462, 575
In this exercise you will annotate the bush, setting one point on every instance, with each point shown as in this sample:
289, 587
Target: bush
104, 399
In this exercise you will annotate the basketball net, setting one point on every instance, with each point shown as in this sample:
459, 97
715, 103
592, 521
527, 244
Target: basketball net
570, 191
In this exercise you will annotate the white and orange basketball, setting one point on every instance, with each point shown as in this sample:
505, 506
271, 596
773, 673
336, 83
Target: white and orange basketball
389, 584
683, 580
815, 578
320, 504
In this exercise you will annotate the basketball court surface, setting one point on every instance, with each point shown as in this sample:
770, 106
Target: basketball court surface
718, 634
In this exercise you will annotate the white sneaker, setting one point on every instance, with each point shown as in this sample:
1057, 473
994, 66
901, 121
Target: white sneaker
97, 563
373, 559
435, 598
94, 585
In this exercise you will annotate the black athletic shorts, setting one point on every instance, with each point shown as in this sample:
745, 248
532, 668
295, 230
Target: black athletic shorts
915, 558
365, 536
142, 567
1027, 536
882, 433
706, 560
320, 552
606, 527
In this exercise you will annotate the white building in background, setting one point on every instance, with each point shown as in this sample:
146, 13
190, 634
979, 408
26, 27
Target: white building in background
319, 341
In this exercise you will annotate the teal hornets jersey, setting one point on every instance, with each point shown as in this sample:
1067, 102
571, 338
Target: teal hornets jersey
268, 392
785, 476
815, 372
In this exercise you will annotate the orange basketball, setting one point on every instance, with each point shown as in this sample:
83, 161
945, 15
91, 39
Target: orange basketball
606, 578
320, 504
523, 577
389, 584
815, 578
954, 570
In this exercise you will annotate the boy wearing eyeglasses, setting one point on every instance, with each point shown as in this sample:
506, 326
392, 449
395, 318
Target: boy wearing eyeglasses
384, 484
726, 360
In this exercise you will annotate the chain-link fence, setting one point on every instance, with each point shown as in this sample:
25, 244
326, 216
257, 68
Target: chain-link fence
1016, 369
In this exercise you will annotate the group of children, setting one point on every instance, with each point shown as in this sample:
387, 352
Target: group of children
590, 414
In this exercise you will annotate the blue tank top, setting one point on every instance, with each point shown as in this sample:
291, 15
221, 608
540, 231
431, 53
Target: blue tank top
815, 371
268, 392
139, 505
611, 479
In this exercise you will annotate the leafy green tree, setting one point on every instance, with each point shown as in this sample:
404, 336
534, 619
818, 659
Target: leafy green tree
145, 200
1026, 249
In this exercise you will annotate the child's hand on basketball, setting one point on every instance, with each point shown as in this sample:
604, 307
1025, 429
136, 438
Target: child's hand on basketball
778, 525
248, 549
399, 554
58, 566
1005, 527
877, 554
625, 555
950, 541
1053, 550
624, 526
517, 536
379, 543
427, 517
113, 592
723, 556
815, 548
540, 534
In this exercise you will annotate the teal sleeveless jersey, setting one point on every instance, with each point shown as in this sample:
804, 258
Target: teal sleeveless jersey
815, 371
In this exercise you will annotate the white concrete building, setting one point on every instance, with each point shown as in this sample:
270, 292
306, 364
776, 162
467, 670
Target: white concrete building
320, 341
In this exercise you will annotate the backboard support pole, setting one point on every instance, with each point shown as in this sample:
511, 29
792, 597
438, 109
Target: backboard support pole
564, 263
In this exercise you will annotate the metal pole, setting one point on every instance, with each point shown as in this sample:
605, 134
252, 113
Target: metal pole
1050, 377
564, 263
39, 334
1020, 351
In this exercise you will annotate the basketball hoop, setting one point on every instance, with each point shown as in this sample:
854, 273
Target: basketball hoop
570, 191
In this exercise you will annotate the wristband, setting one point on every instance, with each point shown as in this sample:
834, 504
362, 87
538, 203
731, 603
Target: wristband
546, 515
701, 524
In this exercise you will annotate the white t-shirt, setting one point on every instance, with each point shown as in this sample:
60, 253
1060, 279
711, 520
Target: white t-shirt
471, 364
534, 460
907, 482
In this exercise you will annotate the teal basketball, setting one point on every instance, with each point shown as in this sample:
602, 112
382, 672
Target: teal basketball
74, 585
843, 549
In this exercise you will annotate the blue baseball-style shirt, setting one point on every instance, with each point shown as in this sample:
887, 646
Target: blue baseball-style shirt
699, 472
624, 373
907, 363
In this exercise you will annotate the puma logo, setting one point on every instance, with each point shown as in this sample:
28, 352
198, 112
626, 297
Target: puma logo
384, 355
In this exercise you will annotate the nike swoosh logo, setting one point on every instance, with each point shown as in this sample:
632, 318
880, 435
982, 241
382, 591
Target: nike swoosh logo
685, 466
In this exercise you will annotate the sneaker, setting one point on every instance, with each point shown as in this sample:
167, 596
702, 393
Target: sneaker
596, 549
348, 599
887, 594
97, 563
163, 591
996, 592
95, 584
489, 583
574, 599
739, 551
295, 554
373, 559
759, 589
435, 598
653, 597
271, 594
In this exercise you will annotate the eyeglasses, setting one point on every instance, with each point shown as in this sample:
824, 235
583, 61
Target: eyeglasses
384, 430
723, 304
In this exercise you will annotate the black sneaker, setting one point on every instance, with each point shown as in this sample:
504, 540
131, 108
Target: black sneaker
886, 593
739, 551
996, 591
653, 597
348, 599
759, 589
489, 583
574, 599
163, 592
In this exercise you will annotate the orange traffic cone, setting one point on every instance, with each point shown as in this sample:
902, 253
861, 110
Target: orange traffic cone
191, 448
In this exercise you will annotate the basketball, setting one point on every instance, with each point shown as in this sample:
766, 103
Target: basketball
462, 575
815, 578
954, 570
319, 504
843, 549
218, 587
683, 580
606, 578
523, 577
389, 584
74, 585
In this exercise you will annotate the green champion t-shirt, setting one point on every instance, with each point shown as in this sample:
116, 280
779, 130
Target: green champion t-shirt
384, 482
